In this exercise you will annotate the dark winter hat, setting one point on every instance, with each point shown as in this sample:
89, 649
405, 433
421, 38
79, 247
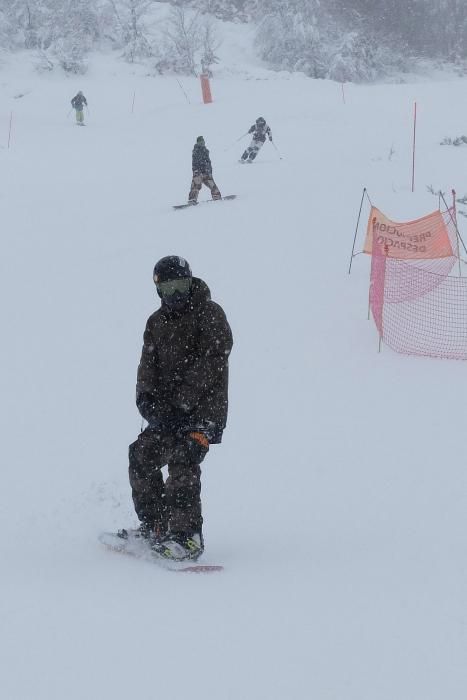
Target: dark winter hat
261, 120
200, 140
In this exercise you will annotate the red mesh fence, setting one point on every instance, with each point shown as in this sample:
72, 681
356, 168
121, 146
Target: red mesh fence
418, 308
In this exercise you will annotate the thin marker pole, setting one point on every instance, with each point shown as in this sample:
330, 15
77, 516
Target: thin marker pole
133, 103
356, 229
413, 151
453, 221
181, 88
343, 93
9, 130
372, 253
457, 236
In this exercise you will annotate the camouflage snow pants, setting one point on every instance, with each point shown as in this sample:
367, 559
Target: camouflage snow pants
253, 149
175, 504
200, 179
79, 116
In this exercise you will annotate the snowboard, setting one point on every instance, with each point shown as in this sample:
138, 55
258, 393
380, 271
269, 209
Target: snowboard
138, 548
204, 201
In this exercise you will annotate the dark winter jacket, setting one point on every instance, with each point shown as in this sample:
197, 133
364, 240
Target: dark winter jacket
78, 101
183, 373
260, 132
201, 161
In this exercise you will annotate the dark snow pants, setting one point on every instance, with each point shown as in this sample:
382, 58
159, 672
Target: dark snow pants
175, 504
200, 179
253, 149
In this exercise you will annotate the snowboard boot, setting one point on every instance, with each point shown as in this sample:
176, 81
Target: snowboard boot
179, 546
144, 531
193, 202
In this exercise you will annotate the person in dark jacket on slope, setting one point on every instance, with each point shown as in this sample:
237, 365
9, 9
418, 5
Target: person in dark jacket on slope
260, 131
202, 172
78, 103
181, 392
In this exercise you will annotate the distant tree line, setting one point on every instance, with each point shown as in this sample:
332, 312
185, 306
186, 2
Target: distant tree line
337, 39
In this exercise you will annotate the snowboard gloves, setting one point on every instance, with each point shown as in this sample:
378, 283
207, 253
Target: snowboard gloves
201, 439
198, 446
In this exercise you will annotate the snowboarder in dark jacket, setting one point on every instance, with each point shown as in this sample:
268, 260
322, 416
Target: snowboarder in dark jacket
260, 131
78, 103
181, 392
202, 172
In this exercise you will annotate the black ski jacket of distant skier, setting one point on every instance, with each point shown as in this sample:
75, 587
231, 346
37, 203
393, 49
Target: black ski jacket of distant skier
78, 101
201, 161
260, 132
183, 373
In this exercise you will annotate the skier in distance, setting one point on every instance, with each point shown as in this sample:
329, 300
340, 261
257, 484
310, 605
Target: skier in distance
260, 131
78, 103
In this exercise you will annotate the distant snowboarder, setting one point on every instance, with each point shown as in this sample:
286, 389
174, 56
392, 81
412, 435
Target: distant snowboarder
181, 392
78, 103
202, 172
260, 131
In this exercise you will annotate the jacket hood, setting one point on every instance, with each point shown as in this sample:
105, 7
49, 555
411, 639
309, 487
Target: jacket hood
200, 292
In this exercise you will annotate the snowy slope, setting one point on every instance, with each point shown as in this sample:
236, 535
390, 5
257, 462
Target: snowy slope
337, 501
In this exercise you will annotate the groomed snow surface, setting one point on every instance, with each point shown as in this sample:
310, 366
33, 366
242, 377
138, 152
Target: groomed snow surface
337, 502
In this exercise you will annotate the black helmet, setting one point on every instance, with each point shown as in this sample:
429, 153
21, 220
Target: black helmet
200, 140
261, 121
170, 268
172, 277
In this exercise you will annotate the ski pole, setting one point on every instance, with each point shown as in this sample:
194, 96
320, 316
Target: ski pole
236, 141
280, 157
69, 113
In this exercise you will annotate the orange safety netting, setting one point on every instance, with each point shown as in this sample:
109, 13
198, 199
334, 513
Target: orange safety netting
425, 238
418, 308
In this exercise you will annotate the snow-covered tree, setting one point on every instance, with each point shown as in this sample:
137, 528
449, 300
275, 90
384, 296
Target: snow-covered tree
182, 40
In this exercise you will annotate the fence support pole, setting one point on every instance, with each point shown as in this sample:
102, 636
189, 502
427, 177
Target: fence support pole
356, 230
453, 221
371, 267
457, 237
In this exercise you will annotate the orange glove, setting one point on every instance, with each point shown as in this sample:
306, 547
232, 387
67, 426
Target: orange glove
201, 439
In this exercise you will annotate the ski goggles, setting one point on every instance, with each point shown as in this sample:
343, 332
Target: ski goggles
167, 289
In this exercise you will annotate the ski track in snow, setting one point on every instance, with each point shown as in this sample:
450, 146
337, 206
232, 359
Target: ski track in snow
337, 501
